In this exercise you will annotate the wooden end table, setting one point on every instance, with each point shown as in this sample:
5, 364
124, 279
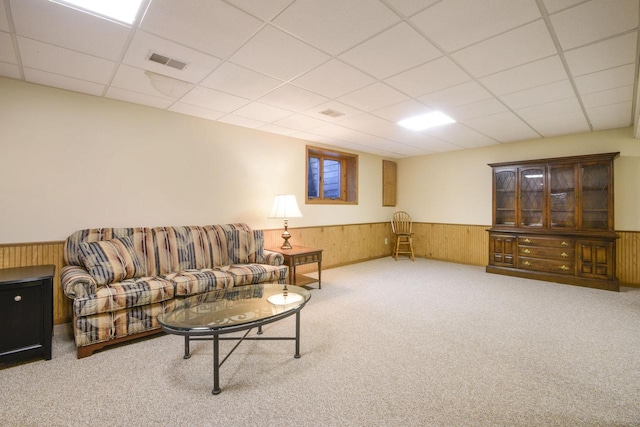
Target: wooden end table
299, 255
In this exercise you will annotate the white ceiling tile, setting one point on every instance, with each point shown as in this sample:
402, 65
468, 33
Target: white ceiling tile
63, 82
367, 123
608, 97
600, 56
553, 6
66, 62
346, 111
397, 49
431, 77
265, 10
293, 98
192, 110
213, 99
242, 121
436, 145
611, 116
351, 22
373, 97
9, 70
143, 44
333, 79
539, 95
137, 80
607, 79
461, 135
549, 109
4, 22
594, 20
454, 24
138, 98
476, 109
240, 81
300, 122
560, 124
273, 128
402, 110
7, 52
503, 127
525, 44
410, 7
276, 54
262, 112
465, 93
65, 27
210, 26
526, 76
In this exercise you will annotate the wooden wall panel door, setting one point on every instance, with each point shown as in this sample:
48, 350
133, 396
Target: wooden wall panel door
389, 183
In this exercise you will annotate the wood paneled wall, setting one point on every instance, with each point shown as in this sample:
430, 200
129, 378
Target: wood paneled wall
342, 244
27, 254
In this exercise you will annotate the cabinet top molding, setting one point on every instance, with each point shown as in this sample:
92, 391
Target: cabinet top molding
570, 159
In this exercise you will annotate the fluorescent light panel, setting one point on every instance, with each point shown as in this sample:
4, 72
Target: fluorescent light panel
426, 121
123, 11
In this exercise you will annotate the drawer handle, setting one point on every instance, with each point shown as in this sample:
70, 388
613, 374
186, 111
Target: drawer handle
564, 244
526, 251
526, 263
527, 241
17, 298
564, 255
564, 268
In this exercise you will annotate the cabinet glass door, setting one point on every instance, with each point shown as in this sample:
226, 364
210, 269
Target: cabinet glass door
532, 197
563, 197
505, 194
595, 196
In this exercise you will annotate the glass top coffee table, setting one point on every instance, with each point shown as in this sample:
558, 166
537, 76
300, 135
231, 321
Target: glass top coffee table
223, 311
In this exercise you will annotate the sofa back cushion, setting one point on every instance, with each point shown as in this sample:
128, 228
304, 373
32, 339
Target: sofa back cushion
141, 239
217, 236
181, 248
111, 261
246, 247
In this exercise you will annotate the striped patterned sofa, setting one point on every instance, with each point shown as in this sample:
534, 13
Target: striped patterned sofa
120, 279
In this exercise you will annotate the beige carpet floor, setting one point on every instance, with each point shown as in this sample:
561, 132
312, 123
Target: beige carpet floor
384, 343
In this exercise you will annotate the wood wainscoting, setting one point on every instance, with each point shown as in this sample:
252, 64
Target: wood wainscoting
342, 245
40, 253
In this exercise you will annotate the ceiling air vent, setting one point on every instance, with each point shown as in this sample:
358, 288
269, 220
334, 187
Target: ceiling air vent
332, 113
165, 60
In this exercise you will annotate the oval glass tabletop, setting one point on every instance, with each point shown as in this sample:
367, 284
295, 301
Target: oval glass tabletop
229, 308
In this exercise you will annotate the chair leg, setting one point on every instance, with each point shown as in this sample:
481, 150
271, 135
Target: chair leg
395, 252
413, 258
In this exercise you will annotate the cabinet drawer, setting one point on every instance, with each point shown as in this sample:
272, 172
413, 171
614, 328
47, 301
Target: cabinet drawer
547, 265
551, 242
547, 252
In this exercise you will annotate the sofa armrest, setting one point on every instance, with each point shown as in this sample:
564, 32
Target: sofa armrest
77, 282
273, 258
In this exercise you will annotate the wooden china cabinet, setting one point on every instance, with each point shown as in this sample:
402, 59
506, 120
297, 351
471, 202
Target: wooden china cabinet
553, 220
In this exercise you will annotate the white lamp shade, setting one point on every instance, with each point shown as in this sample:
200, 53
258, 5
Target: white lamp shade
285, 206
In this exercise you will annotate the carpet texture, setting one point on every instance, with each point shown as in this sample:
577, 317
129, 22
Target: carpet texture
384, 343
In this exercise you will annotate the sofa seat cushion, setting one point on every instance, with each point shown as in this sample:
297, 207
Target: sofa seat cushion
128, 293
190, 282
249, 274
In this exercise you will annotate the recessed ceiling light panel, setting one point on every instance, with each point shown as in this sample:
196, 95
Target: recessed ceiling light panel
426, 121
121, 11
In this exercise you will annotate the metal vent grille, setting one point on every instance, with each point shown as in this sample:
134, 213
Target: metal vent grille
332, 113
165, 60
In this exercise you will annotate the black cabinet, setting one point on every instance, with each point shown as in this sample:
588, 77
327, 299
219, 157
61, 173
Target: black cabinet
26, 312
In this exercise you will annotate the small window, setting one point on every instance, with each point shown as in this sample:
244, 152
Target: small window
331, 176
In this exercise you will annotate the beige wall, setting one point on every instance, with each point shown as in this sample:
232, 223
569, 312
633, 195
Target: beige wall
455, 187
73, 161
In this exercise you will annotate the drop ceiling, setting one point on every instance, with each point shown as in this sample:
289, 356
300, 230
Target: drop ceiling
505, 70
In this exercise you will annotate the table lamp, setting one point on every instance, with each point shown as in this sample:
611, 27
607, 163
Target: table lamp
284, 207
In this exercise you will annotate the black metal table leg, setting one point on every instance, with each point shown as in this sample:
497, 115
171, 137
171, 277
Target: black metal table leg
186, 347
216, 366
297, 355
